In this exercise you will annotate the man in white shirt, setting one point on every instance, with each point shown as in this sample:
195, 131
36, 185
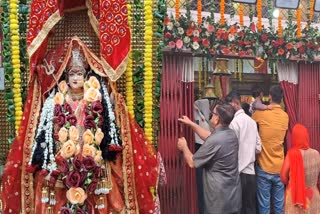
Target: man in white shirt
249, 145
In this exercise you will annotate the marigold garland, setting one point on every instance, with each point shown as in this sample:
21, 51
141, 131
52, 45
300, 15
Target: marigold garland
15, 60
259, 14
199, 7
311, 10
177, 7
279, 24
241, 14
298, 13
222, 19
148, 75
129, 82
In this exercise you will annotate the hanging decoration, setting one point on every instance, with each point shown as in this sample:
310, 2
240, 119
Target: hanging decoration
241, 14
279, 24
212, 9
148, 75
269, 14
24, 59
222, 7
259, 14
177, 7
311, 6
138, 62
15, 60
298, 14
129, 75
199, 14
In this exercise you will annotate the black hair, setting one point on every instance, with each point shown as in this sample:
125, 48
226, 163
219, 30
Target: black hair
233, 95
276, 93
246, 108
226, 113
256, 91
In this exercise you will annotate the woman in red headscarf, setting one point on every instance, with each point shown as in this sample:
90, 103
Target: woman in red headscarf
300, 171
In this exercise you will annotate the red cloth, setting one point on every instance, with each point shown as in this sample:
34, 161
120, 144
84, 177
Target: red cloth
300, 138
145, 166
114, 31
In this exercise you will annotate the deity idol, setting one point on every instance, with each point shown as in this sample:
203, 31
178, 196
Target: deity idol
87, 155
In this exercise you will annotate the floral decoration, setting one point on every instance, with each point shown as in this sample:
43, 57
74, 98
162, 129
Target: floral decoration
148, 74
211, 39
73, 156
15, 60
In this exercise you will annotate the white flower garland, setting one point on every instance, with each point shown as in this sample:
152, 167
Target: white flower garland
113, 130
46, 118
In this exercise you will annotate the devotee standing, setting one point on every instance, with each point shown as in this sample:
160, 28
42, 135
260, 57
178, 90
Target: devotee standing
273, 125
219, 158
303, 165
249, 145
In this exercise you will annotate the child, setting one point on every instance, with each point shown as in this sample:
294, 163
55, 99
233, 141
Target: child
257, 103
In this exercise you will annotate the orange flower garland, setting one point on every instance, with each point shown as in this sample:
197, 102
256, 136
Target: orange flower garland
311, 9
177, 9
279, 24
259, 15
241, 14
199, 7
298, 23
222, 20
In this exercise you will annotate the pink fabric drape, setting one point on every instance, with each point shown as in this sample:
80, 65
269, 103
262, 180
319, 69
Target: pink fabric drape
179, 195
308, 101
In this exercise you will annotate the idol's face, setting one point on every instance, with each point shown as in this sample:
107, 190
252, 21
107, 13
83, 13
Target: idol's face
76, 78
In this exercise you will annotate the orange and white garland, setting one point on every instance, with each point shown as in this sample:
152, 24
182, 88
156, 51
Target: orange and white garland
222, 7
15, 55
311, 10
241, 14
199, 8
298, 23
177, 8
280, 24
148, 75
259, 14
129, 81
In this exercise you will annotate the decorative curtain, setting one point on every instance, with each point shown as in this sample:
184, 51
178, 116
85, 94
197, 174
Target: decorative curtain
308, 101
177, 97
288, 78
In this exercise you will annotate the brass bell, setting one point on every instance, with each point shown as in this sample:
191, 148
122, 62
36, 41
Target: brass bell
208, 92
